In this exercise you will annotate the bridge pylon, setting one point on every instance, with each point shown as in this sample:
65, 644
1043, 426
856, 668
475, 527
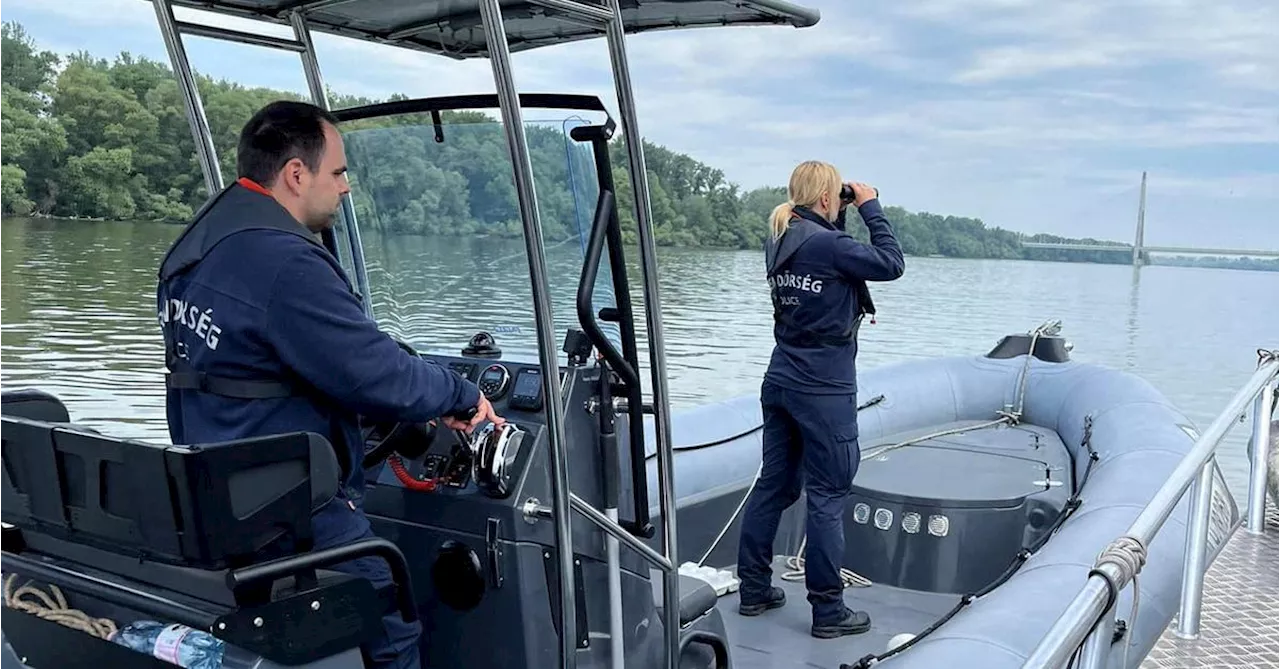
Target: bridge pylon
1139, 253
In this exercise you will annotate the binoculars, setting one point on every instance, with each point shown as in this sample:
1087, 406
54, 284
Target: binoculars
846, 193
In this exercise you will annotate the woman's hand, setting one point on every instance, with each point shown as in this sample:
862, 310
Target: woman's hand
862, 193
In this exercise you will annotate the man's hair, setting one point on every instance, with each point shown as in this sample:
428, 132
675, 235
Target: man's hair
278, 133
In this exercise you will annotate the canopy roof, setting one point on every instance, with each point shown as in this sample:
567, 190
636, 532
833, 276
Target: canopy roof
453, 28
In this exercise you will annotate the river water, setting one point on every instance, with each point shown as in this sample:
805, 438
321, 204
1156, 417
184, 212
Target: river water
78, 315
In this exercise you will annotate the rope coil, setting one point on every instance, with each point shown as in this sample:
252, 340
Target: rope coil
1129, 556
29, 599
1125, 553
848, 577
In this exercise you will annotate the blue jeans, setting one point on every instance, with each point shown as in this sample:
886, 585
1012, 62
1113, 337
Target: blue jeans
810, 444
396, 647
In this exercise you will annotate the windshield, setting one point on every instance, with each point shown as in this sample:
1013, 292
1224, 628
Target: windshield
441, 233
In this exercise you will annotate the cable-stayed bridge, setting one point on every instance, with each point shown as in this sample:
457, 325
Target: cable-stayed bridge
1139, 250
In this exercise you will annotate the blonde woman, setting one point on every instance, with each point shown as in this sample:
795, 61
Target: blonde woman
817, 275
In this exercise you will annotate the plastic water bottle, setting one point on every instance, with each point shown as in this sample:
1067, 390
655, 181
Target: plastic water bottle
176, 644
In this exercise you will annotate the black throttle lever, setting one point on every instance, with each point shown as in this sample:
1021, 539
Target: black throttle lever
465, 415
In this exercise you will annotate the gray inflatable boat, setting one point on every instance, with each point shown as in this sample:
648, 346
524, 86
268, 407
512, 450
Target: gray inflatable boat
988, 487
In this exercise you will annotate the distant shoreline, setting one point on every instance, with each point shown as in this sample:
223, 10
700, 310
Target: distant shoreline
1207, 262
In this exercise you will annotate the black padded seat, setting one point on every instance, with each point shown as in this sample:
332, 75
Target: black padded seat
34, 404
193, 534
101, 503
202, 584
697, 598
224, 502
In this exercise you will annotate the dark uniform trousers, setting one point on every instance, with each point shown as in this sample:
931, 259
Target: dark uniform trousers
395, 645
810, 444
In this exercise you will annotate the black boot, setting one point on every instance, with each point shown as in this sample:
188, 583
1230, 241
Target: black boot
773, 598
854, 622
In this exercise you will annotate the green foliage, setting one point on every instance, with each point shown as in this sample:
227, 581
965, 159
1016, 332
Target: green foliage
13, 190
111, 140
21, 66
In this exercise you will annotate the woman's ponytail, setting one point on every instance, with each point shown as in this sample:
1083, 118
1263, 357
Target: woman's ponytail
780, 217
809, 182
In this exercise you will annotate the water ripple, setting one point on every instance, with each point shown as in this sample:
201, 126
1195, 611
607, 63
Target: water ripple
78, 316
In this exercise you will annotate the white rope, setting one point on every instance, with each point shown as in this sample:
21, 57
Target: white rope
734, 517
1046, 329
1129, 555
796, 564
31, 600
875, 453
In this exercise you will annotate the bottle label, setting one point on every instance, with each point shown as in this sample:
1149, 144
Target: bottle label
169, 641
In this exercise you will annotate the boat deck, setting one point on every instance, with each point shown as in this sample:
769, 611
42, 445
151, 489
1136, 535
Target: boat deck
1241, 606
1237, 624
780, 638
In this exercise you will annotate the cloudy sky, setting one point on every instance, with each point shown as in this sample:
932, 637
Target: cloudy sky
1031, 115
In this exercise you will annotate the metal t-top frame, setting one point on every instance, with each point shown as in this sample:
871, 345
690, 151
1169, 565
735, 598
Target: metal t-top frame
172, 30
609, 16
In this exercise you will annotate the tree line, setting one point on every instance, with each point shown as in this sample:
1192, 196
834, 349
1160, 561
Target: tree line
86, 137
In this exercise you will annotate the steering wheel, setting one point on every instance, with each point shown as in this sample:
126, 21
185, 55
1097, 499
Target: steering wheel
385, 438
396, 441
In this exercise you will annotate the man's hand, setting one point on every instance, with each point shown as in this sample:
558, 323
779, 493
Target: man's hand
484, 411
862, 193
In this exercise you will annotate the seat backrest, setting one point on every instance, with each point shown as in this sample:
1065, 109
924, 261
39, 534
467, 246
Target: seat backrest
34, 404
211, 506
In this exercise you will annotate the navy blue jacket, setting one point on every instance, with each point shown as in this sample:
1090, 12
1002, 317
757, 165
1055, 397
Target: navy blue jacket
246, 293
817, 277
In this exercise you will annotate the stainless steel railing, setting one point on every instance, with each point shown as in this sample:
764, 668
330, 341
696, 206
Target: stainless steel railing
1089, 619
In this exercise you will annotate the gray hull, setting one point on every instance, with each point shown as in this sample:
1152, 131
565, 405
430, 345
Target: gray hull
966, 521
1139, 438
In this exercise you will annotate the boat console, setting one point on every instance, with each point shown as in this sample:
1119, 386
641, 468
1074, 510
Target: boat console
462, 510
435, 459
